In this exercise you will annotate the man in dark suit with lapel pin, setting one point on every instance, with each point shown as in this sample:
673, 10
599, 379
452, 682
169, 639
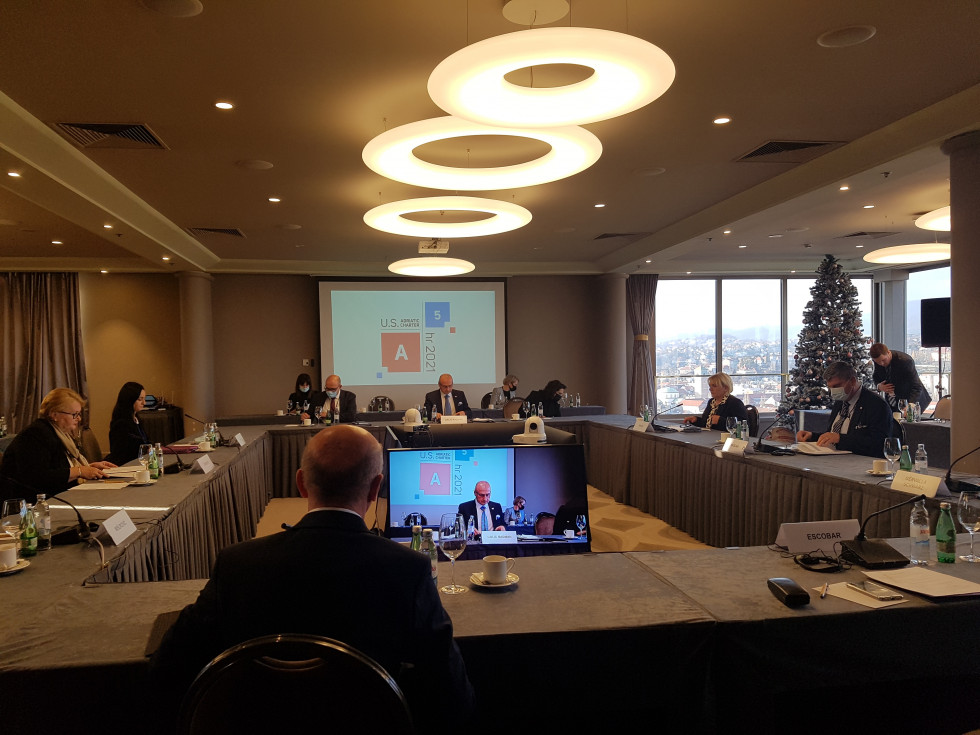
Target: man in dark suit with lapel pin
860, 420
457, 405
487, 515
328, 575
335, 400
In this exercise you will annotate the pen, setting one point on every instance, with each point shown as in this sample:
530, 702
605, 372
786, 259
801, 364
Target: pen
823, 592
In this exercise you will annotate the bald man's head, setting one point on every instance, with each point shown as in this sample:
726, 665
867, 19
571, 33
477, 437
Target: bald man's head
341, 467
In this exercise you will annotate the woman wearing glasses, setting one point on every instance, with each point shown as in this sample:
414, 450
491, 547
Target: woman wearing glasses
44, 457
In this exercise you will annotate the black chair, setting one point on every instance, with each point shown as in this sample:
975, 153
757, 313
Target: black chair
898, 431
753, 420
943, 409
415, 519
381, 403
485, 401
296, 683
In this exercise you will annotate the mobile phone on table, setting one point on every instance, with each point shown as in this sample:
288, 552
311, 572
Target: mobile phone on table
875, 590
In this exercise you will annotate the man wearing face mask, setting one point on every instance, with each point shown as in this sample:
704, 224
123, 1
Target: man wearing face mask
860, 420
340, 405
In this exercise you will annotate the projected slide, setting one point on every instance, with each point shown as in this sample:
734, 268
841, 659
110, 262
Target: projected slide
411, 337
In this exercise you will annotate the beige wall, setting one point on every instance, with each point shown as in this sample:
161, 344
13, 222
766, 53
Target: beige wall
130, 331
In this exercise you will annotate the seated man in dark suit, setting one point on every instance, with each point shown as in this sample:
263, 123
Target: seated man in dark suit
457, 405
328, 576
337, 402
487, 515
860, 420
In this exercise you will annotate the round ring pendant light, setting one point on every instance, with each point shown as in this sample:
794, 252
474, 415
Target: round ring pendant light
391, 154
628, 73
937, 219
506, 217
929, 252
431, 266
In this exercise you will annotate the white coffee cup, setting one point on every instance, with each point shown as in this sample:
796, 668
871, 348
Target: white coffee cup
515, 416
495, 568
878, 466
141, 476
8, 555
725, 435
569, 533
307, 422
280, 412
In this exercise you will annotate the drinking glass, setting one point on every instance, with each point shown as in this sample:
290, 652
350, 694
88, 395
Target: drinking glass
731, 423
289, 406
968, 512
317, 411
893, 450
13, 512
144, 455
527, 409
580, 522
903, 406
452, 541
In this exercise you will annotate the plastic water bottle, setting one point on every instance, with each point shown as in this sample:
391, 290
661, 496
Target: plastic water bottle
919, 534
921, 459
42, 517
540, 408
470, 529
945, 536
578, 400
430, 550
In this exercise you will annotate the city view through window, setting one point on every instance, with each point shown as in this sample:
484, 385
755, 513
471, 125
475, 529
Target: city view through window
927, 284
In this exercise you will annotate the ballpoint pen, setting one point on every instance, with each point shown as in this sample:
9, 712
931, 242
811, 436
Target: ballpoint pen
823, 592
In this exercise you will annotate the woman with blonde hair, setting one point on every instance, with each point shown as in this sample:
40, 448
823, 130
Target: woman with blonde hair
44, 457
722, 405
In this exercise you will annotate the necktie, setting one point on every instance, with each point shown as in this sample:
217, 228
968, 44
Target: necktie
839, 421
484, 523
448, 410
333, 406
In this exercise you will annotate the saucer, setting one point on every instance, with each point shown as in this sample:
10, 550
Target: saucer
886, 473
143, 484
477, 579
20, 566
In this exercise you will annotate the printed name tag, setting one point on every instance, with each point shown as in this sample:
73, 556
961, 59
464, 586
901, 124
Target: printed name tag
640, 425
452, 420
735, 446
239, 440
203, 464
119, 526
916, 484
499, 537
800, 537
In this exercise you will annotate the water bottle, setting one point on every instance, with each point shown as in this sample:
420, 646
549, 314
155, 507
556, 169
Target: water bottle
42, 517
945, 536
416, 538
743, 427
430, 550
905, 461
921, 459
154, 464
919, 534
540, 408
28, 533
470, 529
578, 400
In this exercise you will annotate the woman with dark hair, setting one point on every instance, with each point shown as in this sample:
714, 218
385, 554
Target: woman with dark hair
302, 395
125, 431
549, 397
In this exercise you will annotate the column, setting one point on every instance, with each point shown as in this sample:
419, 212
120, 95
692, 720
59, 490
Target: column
611, 346
197, 348
964, 179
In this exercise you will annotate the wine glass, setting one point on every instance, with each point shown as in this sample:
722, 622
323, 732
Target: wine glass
452, 541
580, 522
289, 406
317, 410
13, 512
903, 406
731, 423
144, 455
527, 409
893, 450
968, 512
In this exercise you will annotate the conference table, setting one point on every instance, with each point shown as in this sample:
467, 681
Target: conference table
685, 637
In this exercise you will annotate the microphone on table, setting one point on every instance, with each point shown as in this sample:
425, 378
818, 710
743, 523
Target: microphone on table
759, 446
221, 438
73, 534
950, 470
174, 468
875, 554
653, 421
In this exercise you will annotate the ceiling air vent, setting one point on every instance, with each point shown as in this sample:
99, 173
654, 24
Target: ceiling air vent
789, 151
209, 231
867, 235
110, 135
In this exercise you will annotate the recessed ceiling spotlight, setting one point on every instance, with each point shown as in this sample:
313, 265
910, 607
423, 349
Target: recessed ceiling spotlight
15, 174
108, 227
649, 261
849, 36
275, 199
776, 235
859, 246
103, 271
56, 242
165, 257
742, 246
792, 271
727, 232
689, 272
224, 105
721, 120
845, 187
869, 206
599, 206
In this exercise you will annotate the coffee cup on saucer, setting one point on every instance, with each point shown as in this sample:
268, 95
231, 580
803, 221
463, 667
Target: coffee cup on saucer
515, 416
495, 568
8, 555
141, 476
280, 412
878, 466
307, 422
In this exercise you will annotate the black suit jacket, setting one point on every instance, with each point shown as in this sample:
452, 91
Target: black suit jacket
37, 461
871, 424
325, 576
731, 407
125, 438
347, 405
469, 508
434, 398
902, 374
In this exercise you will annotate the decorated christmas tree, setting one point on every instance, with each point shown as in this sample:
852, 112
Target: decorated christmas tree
831, 332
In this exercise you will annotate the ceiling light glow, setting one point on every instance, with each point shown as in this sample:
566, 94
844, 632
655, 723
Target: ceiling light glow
845, 188
628, 73
275, 199
56, 242
937, 219
721, 120
903, 254
108, 227
506, 217
14, 174
432, 267
391, 154
224, 105
869, 206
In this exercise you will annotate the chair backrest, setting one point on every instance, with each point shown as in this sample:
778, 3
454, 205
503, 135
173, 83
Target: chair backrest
381, 403
898, 430
753, 420
90, 445
544, 524
485, 401
944, 409
293, 682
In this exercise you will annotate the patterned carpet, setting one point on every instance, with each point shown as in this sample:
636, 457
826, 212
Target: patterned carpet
615, 527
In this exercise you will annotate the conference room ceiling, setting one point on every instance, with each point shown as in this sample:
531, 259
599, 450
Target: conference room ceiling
313, 81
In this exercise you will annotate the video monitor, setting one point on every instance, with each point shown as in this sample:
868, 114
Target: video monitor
424, 483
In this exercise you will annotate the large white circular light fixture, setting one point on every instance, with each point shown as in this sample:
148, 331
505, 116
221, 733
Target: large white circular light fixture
937, 219
904, 254
628, 73
391, 154
506, 217
431, 267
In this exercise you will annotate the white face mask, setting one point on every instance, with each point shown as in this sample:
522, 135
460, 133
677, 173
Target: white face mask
838, 394
304, 389
331, 394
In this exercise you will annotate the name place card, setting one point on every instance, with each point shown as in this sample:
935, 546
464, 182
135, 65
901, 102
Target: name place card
916, 484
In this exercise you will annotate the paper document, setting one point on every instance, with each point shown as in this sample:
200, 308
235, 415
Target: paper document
814, 448
121, 471
925, 582
841, 590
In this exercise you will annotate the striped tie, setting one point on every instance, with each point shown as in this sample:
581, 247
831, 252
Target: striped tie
839, 421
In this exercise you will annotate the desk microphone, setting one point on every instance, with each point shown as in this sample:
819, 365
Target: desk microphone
950, 470
759, 446
72, 535
875, 554
221, 438
653, 421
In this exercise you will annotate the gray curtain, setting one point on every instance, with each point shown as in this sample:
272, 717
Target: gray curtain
40, 342
641, 295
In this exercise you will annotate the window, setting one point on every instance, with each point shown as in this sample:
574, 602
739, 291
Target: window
926, 284
685, 339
